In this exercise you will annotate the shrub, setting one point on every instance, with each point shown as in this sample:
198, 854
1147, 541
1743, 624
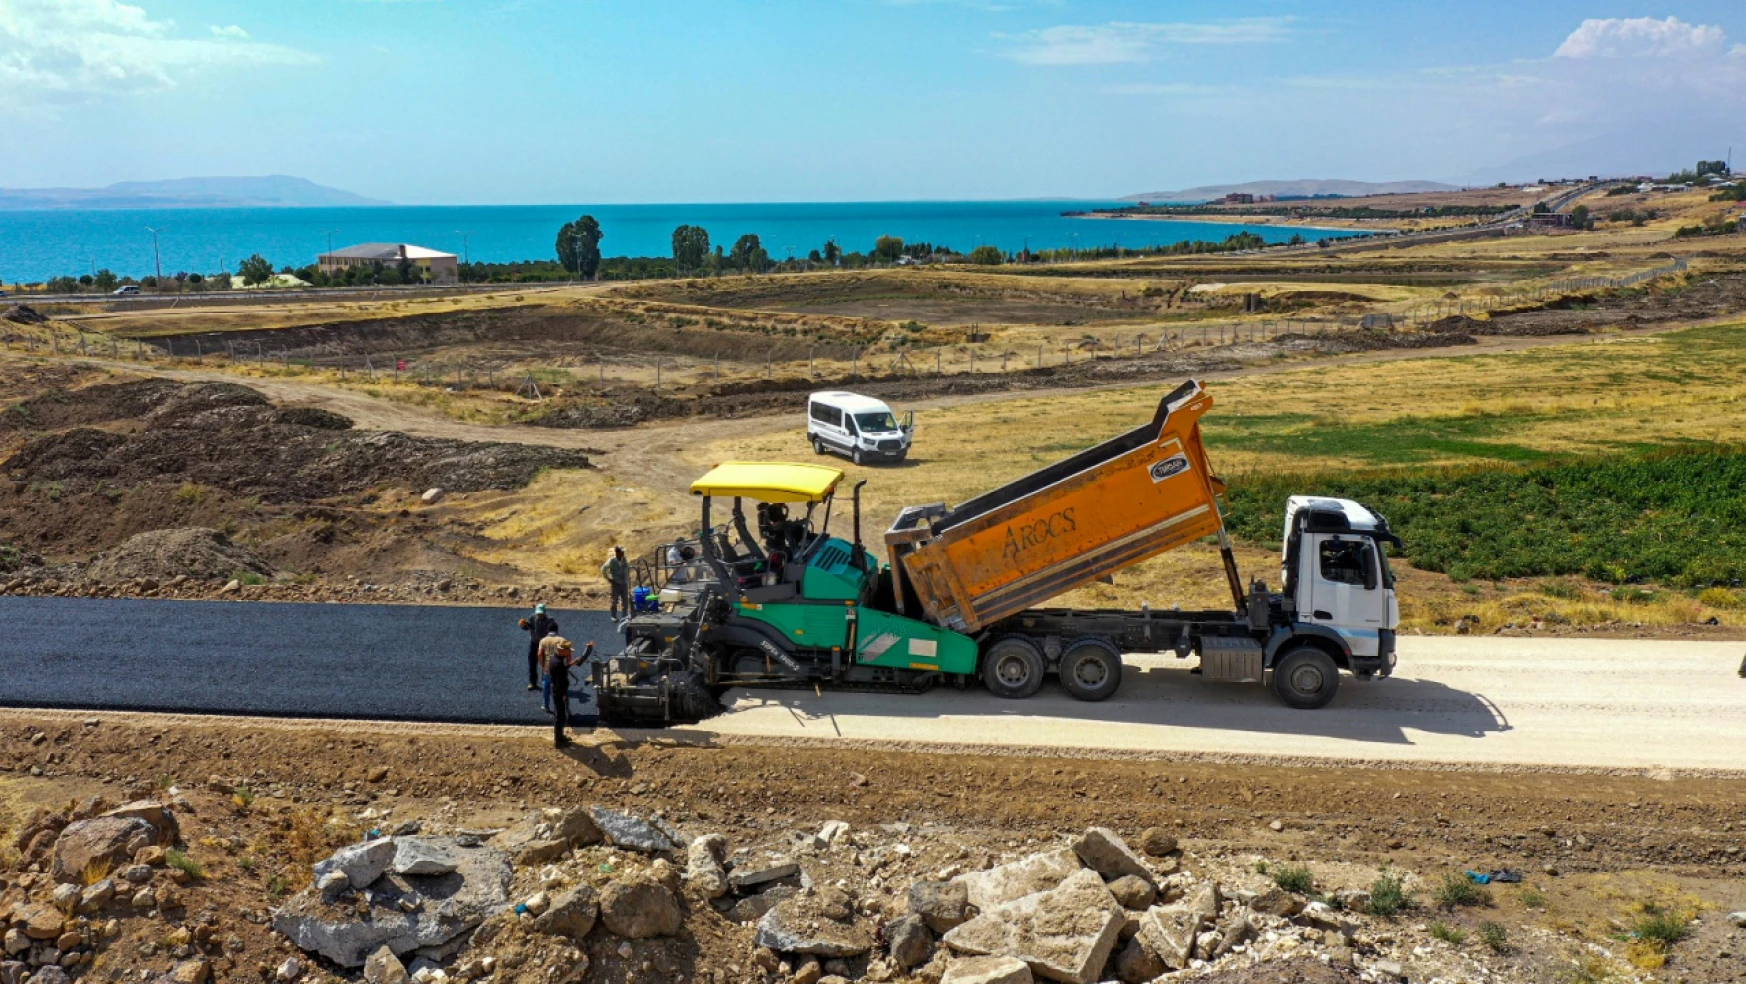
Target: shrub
1447, 933
1456, 890
243, 797
1661, 928
1293, 878
180, 861
1495, 937
1388, 895
1721, 598
1531, 898
278, 887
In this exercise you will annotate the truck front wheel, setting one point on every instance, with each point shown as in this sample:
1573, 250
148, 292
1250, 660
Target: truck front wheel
1091, 669
1013, 667
1306, 678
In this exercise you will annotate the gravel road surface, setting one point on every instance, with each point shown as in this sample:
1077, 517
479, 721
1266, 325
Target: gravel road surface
396, 662
1584, 703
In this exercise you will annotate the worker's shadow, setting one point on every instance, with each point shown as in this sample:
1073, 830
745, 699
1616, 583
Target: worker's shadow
1379, 711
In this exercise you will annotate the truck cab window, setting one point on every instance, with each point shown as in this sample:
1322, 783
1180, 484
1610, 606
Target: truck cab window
1342, 561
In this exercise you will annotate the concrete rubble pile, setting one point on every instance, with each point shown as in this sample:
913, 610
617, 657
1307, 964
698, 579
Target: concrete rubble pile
563, 894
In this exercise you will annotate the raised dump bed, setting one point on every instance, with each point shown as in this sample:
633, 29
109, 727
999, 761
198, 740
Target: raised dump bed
1141, 494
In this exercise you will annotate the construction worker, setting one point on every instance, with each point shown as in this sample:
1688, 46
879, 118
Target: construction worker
560, 657
537, 627
616, 570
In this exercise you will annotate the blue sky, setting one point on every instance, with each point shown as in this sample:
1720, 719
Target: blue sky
500, 101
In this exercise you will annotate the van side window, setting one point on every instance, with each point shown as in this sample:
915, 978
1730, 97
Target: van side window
1342, 561
817, 411
833, 416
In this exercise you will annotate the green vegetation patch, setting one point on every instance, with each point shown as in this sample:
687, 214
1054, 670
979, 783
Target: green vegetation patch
1402, 441
1674, 515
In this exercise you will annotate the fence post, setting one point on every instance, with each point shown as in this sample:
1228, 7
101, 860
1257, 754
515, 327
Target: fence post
657, 373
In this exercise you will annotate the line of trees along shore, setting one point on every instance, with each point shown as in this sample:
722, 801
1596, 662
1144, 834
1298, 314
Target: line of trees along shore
578, 256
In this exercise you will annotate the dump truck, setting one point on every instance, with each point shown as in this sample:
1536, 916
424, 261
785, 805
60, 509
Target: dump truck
769, 597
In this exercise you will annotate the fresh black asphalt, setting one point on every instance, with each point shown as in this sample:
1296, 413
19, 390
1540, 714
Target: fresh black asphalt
389, 662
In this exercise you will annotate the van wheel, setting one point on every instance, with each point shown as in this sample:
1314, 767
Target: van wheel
1013, 667
817, 446
1091, 669
1306, 678
856, 456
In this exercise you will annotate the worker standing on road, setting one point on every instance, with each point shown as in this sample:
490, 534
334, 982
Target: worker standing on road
538, 627
616, 570
560, 657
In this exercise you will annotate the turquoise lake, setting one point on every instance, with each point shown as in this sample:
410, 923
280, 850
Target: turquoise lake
40, 244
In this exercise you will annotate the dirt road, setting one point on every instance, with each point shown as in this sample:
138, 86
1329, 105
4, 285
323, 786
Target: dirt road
1571, 703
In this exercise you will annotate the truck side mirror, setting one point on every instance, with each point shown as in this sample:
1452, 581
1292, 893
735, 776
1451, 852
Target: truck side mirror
1369, 559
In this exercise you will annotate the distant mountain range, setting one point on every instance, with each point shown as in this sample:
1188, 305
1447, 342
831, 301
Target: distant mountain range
1306, 187
271, 191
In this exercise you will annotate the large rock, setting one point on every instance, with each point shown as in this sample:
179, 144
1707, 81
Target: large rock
383, 967
100, 844
753, 907
639, 908
1137, 964
50, 975
443, 907
752, 875
1276, 901
909, 942
39, 922
944, 905
1065, 934
799, 924
703, 868
1134, 892
1016, 879
1157, 842
988, 970
571, 913
626, 831
154, 813
362, 863
424, 856
1169, 931
1104, 852
548, 835
13, 971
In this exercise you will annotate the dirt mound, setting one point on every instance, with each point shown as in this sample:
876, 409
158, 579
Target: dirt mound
195, 552
61, 408
1456, 324
23, 314
229, 437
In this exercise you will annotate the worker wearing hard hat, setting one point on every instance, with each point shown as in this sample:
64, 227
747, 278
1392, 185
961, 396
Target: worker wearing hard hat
560, 656
537, 626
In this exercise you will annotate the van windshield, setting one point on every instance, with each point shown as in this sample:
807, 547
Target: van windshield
879, 421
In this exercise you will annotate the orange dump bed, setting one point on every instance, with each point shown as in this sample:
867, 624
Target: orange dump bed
1111, 506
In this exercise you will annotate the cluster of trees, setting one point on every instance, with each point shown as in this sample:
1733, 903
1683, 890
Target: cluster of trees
1321, 211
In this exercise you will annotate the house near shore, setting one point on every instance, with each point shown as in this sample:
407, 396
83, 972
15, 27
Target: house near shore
434, 266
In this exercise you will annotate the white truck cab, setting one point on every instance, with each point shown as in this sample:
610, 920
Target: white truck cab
1336, 575
860, 428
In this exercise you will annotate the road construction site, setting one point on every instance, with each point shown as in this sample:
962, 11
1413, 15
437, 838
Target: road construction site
1566, 704
1644, 706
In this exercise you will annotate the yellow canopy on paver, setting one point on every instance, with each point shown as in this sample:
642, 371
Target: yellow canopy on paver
769, 481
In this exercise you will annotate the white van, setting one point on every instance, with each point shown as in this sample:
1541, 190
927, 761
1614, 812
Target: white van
859, 427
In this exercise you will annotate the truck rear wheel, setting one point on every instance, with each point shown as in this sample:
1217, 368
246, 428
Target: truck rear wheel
1306, 678
1091, 669
1013, 667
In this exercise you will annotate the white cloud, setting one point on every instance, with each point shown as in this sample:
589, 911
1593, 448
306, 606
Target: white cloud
1127, 41
54, 51
1628, 37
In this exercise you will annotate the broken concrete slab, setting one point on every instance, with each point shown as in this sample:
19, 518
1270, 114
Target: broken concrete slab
631, 833
1064, 934
1104, 852
1016, 879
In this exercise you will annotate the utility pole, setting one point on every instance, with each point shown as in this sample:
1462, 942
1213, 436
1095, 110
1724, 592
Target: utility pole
156, 263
